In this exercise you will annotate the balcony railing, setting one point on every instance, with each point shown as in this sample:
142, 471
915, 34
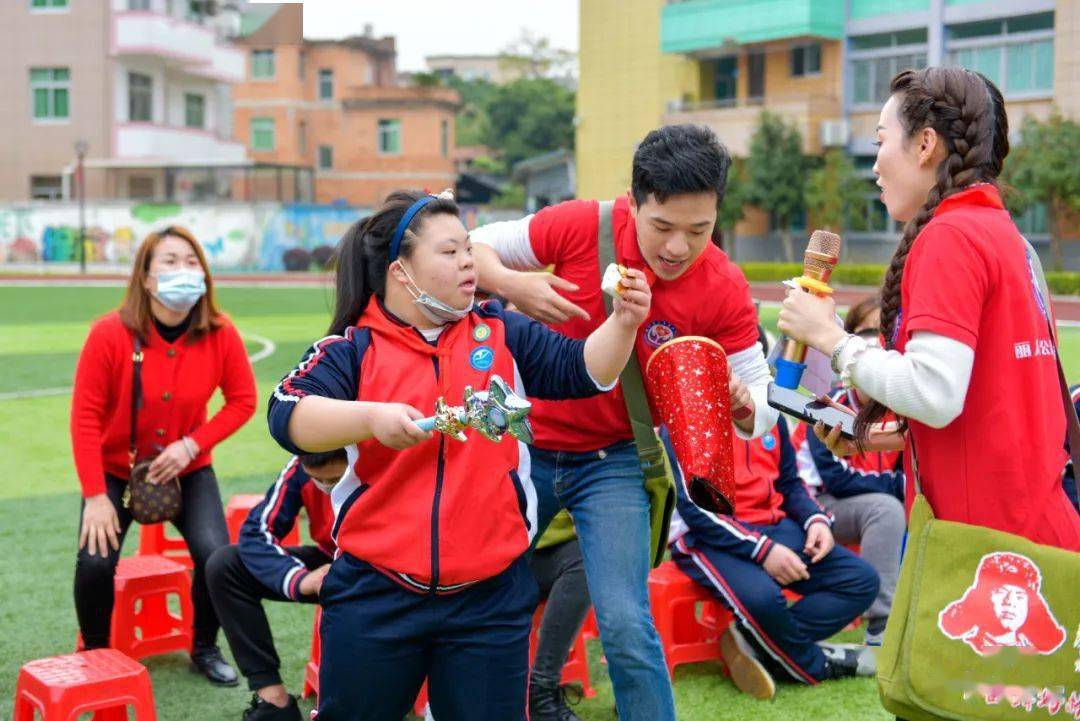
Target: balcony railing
191, 48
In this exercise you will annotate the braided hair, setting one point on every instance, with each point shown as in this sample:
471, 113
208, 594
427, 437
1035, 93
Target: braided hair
968, 114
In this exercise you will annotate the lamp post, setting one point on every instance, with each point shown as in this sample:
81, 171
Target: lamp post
81, 147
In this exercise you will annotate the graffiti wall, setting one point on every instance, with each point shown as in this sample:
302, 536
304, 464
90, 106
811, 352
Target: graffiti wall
235, 236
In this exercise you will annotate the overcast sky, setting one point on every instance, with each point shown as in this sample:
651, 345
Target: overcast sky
427, 27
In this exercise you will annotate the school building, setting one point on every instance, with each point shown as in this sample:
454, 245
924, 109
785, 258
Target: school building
824, 65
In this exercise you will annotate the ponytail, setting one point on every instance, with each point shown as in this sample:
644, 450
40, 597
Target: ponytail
362, 256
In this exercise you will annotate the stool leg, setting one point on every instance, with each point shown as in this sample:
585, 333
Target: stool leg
24, 709
113, 713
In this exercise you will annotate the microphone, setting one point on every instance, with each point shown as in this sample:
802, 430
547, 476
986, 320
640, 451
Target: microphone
822, 254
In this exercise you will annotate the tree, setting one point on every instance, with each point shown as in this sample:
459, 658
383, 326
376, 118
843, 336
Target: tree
528, 117
1044, 168
472, 119
833, 190
531, 56
776, 174
731, 207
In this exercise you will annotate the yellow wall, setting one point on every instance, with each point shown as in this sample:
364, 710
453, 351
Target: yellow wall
625, 85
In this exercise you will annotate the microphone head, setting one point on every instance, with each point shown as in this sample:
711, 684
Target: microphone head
822, 254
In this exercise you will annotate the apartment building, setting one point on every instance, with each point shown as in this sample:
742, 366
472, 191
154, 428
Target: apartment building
143, 86
335, 105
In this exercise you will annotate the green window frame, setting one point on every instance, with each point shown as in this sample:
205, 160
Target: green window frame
50, 93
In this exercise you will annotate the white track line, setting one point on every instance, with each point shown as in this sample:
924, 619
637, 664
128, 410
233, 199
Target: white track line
267, 350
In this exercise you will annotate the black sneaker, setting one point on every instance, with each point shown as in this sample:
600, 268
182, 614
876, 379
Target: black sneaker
261, 710
848, 661
208, 661
548, 703
875, 631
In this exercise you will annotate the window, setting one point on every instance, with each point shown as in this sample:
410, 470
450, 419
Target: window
389, 137
916, 36
262, 134
46, 5
141, 187
140, 98
805, 60
46, 187
49, 90
755, 66
725, 80
262, 64
139, 5
301, 137
444, 138
326, 157
870, 77
301, 64
1017, 53
1034, 221
326, 84
194, 110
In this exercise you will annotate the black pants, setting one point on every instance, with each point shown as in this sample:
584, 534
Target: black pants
202, 524
560, 574
238, 596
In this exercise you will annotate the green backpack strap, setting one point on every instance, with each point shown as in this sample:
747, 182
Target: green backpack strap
650, 452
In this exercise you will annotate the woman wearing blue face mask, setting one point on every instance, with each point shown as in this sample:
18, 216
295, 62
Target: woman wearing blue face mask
189, 349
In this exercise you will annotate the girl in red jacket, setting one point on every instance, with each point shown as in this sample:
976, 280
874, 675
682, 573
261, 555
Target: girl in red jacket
189, 350
431, 580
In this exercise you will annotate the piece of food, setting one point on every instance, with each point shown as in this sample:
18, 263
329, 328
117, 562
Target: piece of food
611, 283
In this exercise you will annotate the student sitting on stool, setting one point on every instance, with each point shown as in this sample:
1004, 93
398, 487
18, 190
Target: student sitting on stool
259, 567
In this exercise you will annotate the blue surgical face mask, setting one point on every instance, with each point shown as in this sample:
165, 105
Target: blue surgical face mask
180, 290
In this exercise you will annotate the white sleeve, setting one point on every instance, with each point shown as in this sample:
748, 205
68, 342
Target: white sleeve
928, 382
750, 366
510, 239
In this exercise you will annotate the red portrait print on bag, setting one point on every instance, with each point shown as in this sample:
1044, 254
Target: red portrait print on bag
1004, 607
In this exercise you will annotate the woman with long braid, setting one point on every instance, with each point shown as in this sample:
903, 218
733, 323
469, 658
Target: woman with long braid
968, 352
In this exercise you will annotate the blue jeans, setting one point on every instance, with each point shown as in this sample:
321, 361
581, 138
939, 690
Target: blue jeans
605, 494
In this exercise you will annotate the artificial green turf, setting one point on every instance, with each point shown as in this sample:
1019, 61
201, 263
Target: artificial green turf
41, 331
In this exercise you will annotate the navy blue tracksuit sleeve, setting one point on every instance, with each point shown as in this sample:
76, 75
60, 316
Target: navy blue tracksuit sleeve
723, 533
841, 480
260, 537
552, 366
798, 505
330, 368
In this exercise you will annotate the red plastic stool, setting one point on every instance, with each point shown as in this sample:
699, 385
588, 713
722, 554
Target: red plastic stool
673, 597
142, 624
103, 681
154, 542
237, 510
576, 668
311, 671
589, 629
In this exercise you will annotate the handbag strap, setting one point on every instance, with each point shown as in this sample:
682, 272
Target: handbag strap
136, 396
1072, 423
633, 385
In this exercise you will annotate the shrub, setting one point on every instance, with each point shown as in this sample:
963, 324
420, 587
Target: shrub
296, 259
323, 256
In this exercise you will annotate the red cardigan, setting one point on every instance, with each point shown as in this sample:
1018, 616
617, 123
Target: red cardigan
177, 382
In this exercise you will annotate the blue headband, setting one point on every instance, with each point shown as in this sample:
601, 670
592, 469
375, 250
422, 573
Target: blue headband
403, 225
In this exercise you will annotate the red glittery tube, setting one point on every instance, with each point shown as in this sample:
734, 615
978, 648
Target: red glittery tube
688, 382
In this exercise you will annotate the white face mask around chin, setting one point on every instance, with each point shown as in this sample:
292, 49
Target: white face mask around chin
433, 309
